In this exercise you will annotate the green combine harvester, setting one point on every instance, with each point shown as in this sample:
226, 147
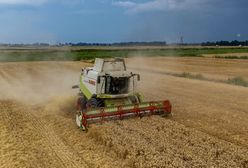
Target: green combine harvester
108, 91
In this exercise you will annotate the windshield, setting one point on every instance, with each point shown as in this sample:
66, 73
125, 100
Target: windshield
116, 85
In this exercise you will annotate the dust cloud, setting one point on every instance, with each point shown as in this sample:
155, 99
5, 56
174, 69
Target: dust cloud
38, 83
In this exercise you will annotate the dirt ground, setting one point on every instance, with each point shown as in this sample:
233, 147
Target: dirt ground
225, 55
208, 127
217, 69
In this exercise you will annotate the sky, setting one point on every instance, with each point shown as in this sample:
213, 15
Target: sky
107, 21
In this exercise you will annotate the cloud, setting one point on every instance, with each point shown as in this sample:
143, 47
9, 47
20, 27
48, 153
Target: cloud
39, 2
22, 2
125, 4
157, 5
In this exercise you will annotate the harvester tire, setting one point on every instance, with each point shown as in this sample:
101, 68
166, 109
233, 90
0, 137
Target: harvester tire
82, 103
95, 102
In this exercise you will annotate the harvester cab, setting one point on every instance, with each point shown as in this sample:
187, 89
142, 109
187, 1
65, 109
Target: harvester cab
108, 91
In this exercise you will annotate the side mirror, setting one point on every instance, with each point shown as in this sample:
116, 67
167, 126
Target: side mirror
138, 77
98, 79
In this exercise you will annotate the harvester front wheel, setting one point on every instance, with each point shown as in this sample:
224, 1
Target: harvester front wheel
95, 102
81, 103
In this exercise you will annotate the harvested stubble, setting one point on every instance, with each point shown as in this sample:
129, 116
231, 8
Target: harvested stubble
157, 142
44, 134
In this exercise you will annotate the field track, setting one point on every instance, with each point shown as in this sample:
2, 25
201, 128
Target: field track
209, 126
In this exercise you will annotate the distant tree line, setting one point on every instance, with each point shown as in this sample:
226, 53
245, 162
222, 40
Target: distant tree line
86, 44
226, 43
26, 45
154, 43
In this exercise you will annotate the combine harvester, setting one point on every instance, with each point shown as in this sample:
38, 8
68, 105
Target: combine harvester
108, 91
